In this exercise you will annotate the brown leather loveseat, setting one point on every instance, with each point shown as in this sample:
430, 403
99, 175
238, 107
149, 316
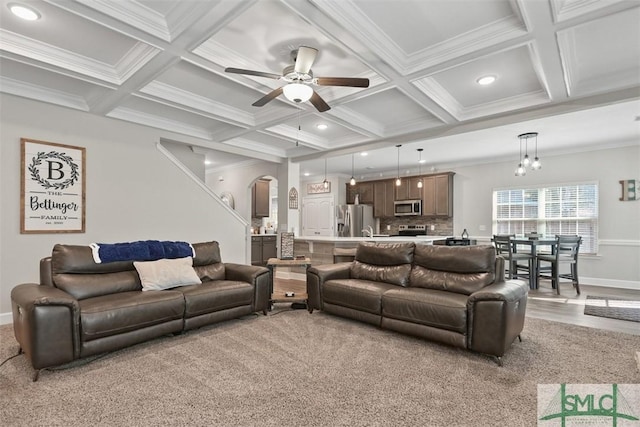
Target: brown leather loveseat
455, 295
82, 308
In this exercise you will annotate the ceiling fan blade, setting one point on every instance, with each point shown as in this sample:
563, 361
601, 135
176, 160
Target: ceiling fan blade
252, 73
304, 59
342, 81
319, 103
268, 97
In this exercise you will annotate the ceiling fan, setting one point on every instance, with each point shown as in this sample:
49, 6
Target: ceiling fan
299, 78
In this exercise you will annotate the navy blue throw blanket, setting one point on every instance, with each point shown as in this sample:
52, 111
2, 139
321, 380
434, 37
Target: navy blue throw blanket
143, 250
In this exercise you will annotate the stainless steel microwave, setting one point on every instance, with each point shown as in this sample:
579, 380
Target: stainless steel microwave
407, 207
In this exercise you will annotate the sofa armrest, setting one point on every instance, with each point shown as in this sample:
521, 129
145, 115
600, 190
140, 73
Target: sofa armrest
318, 275
496, 316
46, 323
257, 276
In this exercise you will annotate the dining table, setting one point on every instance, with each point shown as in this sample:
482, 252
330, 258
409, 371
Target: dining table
532, 245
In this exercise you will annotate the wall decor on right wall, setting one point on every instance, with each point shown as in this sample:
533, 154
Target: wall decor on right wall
630, 189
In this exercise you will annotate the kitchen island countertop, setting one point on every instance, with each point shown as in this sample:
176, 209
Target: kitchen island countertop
417, 239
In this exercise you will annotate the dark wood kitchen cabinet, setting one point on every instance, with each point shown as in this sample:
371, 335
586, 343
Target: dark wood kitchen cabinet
408, 189
363, 189
383, 198
260, 199
437, 195
263, 247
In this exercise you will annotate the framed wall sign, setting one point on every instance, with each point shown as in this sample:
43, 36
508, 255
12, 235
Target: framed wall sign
52, 187
318, 188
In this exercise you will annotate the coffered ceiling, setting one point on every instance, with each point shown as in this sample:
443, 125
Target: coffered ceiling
568, 69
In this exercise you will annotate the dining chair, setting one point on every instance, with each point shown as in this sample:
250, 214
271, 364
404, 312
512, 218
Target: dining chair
508, 250
565, 251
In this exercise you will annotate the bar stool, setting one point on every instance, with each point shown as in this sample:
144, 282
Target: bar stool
508, 251
565, 251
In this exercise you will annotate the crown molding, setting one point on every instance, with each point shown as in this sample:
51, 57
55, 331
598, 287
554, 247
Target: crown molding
135, 116
39, 93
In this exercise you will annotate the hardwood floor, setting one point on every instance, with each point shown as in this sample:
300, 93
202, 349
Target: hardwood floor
543, 303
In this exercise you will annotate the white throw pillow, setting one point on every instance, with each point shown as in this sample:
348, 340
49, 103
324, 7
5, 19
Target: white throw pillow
166, 273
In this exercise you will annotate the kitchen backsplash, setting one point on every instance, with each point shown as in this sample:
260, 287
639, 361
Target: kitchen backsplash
442, 226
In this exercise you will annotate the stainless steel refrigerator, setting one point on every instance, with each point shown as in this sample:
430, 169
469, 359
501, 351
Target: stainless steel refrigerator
352, 219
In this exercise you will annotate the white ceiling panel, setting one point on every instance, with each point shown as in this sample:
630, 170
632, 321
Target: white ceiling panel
602, 54
162, 63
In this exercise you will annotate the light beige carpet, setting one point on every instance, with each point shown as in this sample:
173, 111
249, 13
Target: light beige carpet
297, 369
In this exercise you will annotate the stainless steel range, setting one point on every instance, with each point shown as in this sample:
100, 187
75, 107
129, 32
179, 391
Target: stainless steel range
412, 230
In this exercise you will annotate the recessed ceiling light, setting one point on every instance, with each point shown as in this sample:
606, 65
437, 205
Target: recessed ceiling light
208, 162
24, 12
322, 126
364, 153
307, 174
486, 80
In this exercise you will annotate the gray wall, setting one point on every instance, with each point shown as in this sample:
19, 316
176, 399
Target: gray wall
132, 191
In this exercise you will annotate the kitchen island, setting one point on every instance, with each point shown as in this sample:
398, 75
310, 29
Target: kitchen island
320, 249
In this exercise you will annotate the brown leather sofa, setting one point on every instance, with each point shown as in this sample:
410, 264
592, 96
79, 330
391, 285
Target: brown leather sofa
81, 308
455, 295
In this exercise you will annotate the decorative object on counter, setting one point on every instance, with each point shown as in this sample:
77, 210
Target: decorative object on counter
286, 245
630, 189
356, 199
525, 162
398, 182
227, 198
420, 184
465, 234
293, 198
352, 181
532, 236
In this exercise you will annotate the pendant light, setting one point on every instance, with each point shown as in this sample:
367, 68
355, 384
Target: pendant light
325, 183
420, 168
525, 162
398, 182
536, 165
352, 182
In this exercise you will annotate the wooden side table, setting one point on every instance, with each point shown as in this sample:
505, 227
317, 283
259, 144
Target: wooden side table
272, 263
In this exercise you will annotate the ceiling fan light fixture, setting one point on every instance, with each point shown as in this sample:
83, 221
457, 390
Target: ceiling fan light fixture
297, 92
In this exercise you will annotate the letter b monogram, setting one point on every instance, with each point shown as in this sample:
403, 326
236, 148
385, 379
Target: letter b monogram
55, 170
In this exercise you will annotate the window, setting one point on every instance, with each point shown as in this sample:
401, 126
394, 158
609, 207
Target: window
565, 209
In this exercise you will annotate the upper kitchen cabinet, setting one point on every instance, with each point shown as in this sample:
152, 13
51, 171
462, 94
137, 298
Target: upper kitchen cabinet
364, 190
408, 189
260, 200
437, 195
383, 198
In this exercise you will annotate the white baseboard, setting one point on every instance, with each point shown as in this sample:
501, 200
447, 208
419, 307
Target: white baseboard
610, 283
6, 318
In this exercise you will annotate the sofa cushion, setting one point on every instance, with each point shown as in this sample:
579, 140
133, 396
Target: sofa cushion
357, 294
127, 311
215, 296
206, 253
166, 273
383, 262
460, 269
209, 272
439, 309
